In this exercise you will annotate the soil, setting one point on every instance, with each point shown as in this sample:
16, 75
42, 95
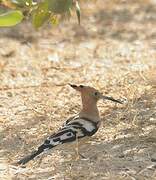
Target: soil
114, 50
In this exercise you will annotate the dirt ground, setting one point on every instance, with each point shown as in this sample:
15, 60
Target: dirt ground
113, 50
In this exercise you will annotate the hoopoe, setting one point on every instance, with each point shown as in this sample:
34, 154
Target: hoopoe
85, 124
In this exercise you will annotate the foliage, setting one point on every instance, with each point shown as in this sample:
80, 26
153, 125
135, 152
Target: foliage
10, 18
13, 12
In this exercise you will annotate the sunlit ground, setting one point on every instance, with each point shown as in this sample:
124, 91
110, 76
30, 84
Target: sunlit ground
114, 50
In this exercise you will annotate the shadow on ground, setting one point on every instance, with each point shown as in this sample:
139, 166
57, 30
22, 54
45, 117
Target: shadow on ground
126, 138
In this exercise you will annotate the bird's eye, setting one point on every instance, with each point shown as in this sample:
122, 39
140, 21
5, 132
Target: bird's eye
96, 93
81, 86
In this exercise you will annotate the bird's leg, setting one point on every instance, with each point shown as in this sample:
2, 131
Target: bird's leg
78, 154
77, 149
82, 156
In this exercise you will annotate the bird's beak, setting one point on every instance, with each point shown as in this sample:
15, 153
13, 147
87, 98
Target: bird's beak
112, 99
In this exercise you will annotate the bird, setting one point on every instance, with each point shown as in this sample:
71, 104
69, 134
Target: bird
85, 124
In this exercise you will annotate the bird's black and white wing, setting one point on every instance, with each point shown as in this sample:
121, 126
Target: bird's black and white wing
73, 129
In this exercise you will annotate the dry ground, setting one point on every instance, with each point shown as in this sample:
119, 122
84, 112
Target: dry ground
115, 51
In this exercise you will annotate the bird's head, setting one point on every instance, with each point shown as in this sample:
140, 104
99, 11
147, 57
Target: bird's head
90, 93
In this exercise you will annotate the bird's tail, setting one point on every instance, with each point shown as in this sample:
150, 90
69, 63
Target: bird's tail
32, 155
28, 158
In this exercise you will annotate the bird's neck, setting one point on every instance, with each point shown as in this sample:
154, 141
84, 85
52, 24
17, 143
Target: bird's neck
90, 110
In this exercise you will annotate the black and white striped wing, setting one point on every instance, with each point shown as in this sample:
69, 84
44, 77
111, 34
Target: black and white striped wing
73, 129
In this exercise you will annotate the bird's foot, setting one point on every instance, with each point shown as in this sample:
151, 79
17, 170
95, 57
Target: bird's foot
82, 156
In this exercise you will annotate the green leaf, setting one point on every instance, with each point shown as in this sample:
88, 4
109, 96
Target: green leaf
41, 15
2, 10
10, 18
78, 11
59, 6
22, 3
54, 20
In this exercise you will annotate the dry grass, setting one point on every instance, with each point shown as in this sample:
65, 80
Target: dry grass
114, 50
